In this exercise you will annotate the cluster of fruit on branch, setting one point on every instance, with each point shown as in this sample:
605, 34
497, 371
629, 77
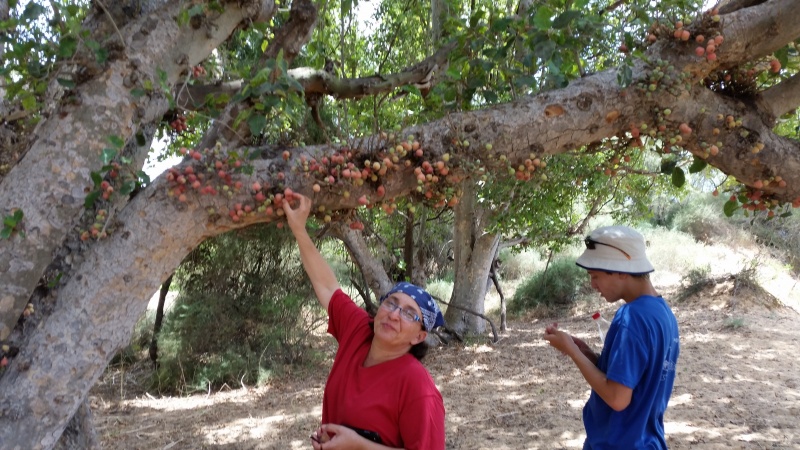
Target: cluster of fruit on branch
342, 172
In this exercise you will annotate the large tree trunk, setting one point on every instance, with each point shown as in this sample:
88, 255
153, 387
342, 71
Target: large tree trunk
474, 250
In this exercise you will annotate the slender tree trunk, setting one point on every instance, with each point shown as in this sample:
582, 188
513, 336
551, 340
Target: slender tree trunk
162, 298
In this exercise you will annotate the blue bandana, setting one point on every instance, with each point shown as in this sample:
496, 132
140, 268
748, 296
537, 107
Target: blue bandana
431, 315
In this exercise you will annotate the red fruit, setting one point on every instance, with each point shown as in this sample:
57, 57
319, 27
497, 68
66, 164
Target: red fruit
775, 66
651, 38
711, 47
719, 40
316, 188
418, 153
711, 56
4, 362
685, 35
260, 197
699, 51
685, 129
714, 150
623, 48
381, 191
715, 193
363, 200
700, 38
196, 156
288, 193
286, 155
256, 186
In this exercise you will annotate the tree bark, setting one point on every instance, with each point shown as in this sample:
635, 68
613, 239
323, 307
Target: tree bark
474, 251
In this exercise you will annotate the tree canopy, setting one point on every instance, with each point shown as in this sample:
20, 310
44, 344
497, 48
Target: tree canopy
440, 103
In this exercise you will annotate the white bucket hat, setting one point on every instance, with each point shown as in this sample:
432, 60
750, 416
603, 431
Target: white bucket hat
615, 249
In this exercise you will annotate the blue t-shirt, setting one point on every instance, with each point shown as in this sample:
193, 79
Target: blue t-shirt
640, 352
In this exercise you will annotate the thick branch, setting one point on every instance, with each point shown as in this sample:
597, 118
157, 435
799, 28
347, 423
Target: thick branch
757, 31
782, 98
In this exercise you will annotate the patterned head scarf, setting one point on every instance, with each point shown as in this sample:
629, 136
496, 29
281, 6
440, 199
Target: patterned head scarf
431, 314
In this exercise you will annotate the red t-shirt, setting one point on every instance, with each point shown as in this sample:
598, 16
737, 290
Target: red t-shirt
397, 399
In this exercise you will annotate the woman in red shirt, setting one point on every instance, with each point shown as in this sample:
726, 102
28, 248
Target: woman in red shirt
378, 394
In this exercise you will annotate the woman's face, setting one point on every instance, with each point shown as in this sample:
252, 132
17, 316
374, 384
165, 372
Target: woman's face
393, 323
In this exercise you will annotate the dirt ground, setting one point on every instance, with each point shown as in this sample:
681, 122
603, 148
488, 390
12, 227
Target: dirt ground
738, 386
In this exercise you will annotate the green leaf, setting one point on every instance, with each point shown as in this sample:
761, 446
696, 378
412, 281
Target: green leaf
667, 166
88, 203
5, 233
564, 19
257, 122
542, 18
116, 141
127, 187
195, 10
528, 80
67, 46
500, 25
32, 12
454, 72
624, 76
730, 207
101, 55
678, 177
698, 165
69, 84
96, 178
143, 177
783, 56
29, 102
347, 6
108, 155
544, 50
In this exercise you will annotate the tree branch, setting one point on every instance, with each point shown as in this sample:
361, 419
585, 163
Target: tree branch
782, 98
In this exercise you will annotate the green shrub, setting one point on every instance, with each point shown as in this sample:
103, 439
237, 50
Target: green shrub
517, 264
244, 310
552, 290
695, 280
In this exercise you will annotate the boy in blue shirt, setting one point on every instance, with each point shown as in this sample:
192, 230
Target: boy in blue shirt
632, 377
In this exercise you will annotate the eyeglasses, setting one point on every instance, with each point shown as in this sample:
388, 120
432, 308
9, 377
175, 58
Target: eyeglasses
406, 314
591, 243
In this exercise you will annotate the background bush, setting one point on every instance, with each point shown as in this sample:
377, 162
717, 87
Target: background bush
555, 289
244, 310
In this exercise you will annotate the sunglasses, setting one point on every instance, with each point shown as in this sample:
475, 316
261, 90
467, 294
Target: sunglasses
591, 245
